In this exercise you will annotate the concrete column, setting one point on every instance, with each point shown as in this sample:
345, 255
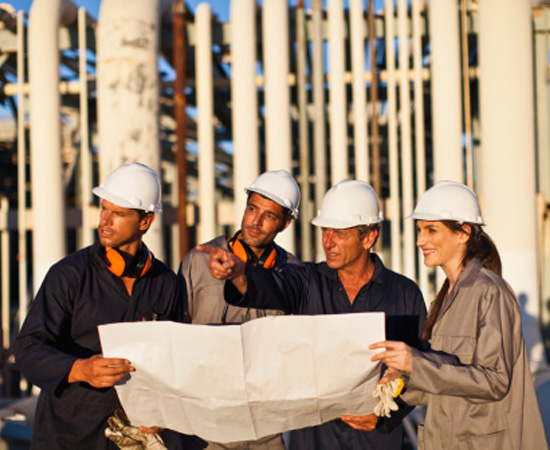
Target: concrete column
128, 91
506, 179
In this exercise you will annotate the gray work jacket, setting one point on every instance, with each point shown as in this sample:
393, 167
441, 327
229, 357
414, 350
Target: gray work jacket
205, 301
479, 393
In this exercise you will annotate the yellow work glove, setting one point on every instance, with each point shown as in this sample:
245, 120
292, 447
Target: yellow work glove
386, 393
128, 437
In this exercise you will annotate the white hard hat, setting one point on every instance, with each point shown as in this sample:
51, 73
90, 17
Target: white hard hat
279, 186
348, 204
133, 186
448, 200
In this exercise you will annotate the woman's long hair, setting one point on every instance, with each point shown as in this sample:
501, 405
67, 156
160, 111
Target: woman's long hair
479, 245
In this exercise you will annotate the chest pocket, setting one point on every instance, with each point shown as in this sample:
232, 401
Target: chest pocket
461, 346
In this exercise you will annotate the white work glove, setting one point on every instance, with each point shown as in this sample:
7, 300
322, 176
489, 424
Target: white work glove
128, 437
386, 393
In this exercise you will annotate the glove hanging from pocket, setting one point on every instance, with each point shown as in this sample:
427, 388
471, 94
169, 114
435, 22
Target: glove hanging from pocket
386, 393
128, 437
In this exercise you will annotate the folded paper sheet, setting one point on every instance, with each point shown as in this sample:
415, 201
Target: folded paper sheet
236, 383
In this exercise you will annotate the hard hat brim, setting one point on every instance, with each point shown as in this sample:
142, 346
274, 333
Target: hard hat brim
273, 198
437, 218
119, 201
324, 222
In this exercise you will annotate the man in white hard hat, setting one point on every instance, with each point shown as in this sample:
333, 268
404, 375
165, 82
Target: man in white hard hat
351, 280
272, 203
114, 280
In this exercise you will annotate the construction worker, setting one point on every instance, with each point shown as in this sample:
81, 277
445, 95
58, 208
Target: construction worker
114, 280
351, 280
272, 203
474, 377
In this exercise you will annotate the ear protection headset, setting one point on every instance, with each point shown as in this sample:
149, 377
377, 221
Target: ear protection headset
245, 253
123, 265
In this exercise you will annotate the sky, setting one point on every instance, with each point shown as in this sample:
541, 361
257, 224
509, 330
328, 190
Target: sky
221, 7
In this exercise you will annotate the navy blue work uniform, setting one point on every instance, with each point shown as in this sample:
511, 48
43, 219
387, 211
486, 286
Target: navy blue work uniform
316, 289
78, 294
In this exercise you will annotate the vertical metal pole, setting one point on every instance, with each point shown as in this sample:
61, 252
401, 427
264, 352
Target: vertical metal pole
5, 243
303, 131
277, 101
319, 124
416, 8
406, 141
360, 119
244, 101
446, 97
337, 106
276, 89
86, 234
374, 101
466, 94
205, 126
21, 166
180, 103
541, 20
48, 201
393, 154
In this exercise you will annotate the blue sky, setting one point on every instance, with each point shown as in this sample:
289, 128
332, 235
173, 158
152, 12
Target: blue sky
220, 7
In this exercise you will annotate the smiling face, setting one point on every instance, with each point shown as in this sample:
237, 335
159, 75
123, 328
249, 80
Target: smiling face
344, 250
262, 220
441, 246
122, 228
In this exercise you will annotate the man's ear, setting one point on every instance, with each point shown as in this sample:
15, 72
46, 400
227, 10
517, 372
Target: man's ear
146, 222
285, 225
370, 239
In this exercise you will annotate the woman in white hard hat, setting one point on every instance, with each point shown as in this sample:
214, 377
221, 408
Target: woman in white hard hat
473, 375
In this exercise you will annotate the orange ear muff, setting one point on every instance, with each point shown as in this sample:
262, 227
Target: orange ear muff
148, 262
128, 267
244, 253
242, 250
269, 261
115, 261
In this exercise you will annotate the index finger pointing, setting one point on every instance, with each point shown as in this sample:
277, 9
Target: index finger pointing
206, 249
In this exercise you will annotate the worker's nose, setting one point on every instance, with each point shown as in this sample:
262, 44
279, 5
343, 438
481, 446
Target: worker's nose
257, 219
105, 218
328, 241
420, 239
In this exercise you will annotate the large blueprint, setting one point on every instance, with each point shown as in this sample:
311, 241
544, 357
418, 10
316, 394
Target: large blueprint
242, 382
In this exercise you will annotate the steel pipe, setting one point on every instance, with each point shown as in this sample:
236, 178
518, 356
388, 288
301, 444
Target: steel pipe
244, 101
205, 125
339, 167
48, 203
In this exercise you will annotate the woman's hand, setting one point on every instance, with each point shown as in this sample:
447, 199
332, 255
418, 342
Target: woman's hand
397, 355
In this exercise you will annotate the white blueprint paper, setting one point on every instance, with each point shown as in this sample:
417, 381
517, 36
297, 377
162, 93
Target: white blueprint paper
242, 382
